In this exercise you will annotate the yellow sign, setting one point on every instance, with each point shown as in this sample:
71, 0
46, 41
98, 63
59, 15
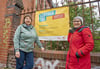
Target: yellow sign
52, 24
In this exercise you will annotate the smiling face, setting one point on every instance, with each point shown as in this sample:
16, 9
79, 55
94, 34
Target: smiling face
77, 23
28, 20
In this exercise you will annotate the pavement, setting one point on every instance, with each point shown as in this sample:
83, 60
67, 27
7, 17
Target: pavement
95, 66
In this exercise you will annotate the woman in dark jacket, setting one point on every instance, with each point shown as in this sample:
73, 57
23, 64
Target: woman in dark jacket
81, 43
24, 39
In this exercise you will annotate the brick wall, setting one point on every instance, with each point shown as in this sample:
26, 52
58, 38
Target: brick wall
50, 59
3, 51
8, 23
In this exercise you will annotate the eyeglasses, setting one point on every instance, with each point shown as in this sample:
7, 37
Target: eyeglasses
76, 21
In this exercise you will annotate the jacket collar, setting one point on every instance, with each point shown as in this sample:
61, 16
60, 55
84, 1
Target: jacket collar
76, 29
80, 27
25, 26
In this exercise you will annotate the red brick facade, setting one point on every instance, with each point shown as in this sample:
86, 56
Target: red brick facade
8, 23
3, 47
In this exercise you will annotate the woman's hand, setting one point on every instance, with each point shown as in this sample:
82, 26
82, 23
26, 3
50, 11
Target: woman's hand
17, 54
42, 49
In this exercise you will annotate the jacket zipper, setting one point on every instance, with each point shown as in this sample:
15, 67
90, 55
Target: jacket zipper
69, 52
77, 59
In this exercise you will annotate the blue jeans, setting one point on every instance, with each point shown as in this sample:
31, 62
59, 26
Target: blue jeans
27, 57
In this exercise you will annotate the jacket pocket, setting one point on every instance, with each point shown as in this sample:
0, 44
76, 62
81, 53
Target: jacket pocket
23, 44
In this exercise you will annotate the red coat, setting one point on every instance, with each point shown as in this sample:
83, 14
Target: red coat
80, 44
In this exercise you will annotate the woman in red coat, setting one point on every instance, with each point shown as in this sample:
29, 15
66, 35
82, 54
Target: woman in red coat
80, 44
